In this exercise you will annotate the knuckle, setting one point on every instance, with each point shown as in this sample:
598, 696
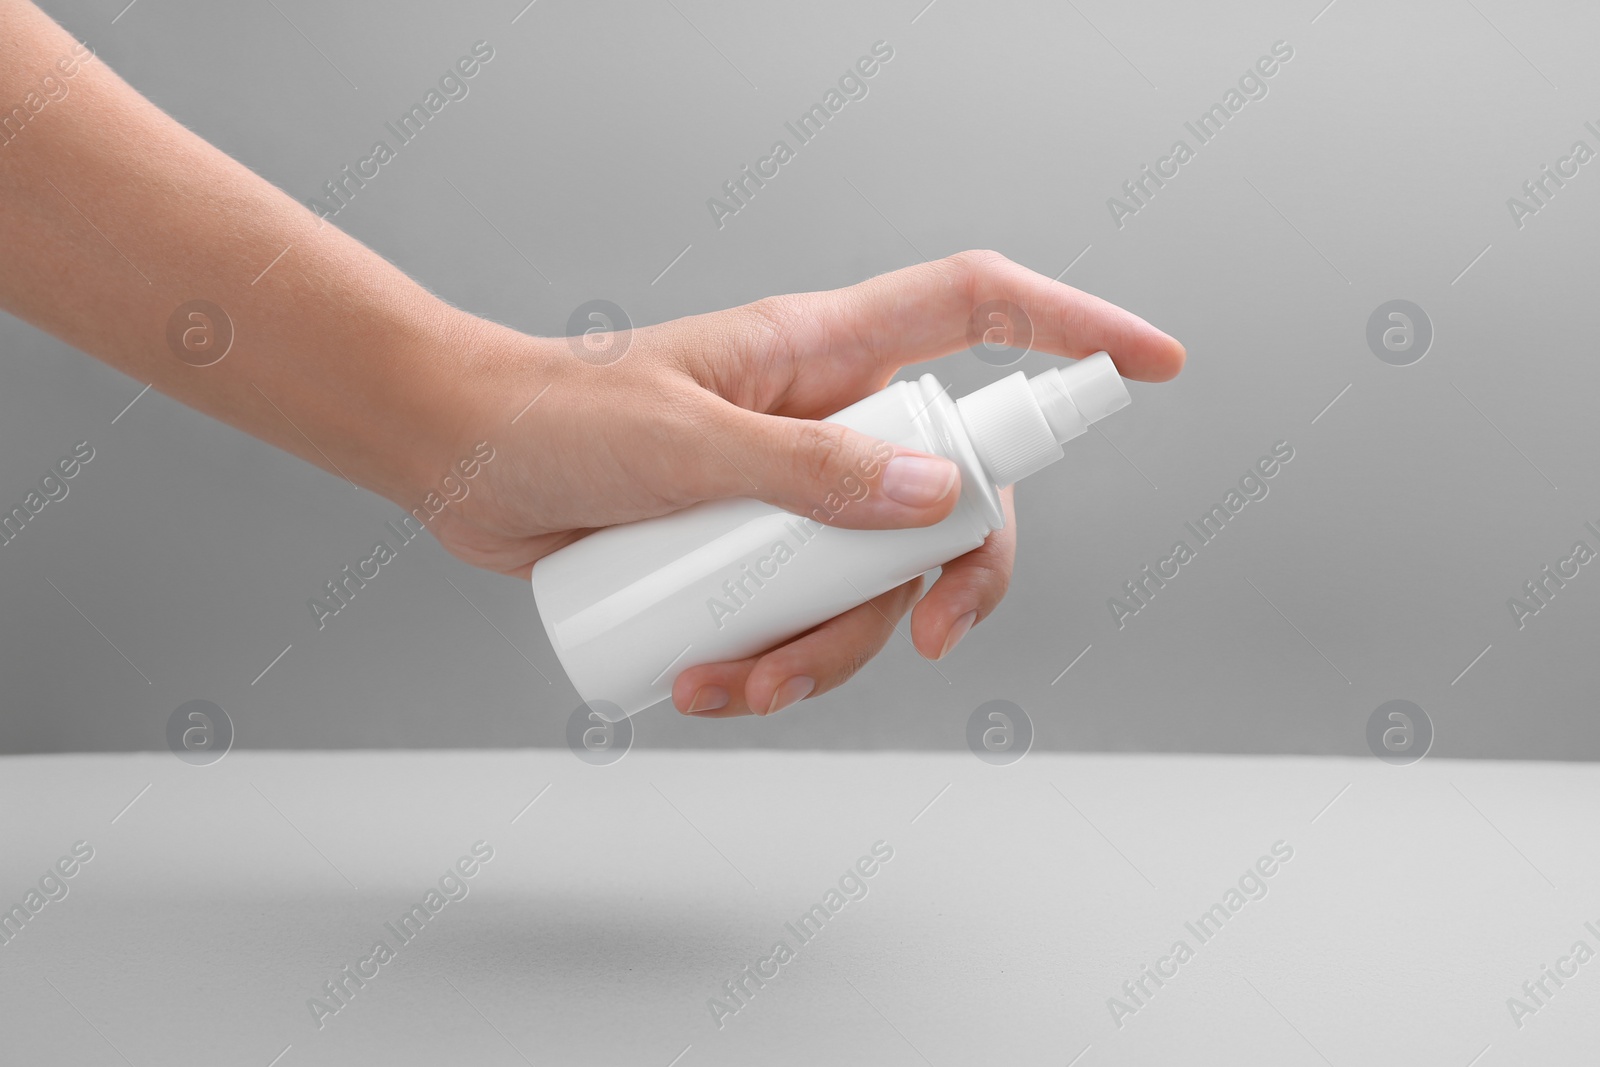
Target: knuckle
769, 321
854, 659
892, 607
821, 448
998, 584
975, 261
989, 578
980, 257
858, 659
974, 270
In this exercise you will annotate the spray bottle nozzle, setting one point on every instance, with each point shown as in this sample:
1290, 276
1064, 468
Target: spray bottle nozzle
1078, 394
1018, 424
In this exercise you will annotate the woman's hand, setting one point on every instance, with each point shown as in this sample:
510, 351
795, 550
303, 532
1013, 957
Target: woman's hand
335, 355
726, 404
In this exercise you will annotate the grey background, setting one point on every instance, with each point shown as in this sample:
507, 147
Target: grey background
1377, 168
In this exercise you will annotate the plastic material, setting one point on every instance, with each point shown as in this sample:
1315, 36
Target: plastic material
629, 607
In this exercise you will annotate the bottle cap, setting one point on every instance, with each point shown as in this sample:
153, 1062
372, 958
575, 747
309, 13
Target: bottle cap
1017, 425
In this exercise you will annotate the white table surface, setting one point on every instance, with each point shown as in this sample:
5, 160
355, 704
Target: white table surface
615, 906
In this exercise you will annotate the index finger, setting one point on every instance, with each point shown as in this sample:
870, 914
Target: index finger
926, 311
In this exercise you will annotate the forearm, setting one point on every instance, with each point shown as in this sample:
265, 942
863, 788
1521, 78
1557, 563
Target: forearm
112, 215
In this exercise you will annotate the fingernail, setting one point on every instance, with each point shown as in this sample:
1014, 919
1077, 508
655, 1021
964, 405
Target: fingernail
958, 630
790, 691
707, 698
918, 481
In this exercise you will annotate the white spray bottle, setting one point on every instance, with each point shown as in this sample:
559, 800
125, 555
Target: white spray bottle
629, 607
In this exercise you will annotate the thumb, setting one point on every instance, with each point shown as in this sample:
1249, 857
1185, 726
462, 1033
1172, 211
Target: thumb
836, 475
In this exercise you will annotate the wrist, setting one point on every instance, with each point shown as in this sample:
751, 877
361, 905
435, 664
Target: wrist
474, 375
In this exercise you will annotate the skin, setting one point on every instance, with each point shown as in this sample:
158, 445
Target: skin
112, 215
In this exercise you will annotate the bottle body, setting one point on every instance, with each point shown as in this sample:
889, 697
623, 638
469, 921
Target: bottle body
629, 607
